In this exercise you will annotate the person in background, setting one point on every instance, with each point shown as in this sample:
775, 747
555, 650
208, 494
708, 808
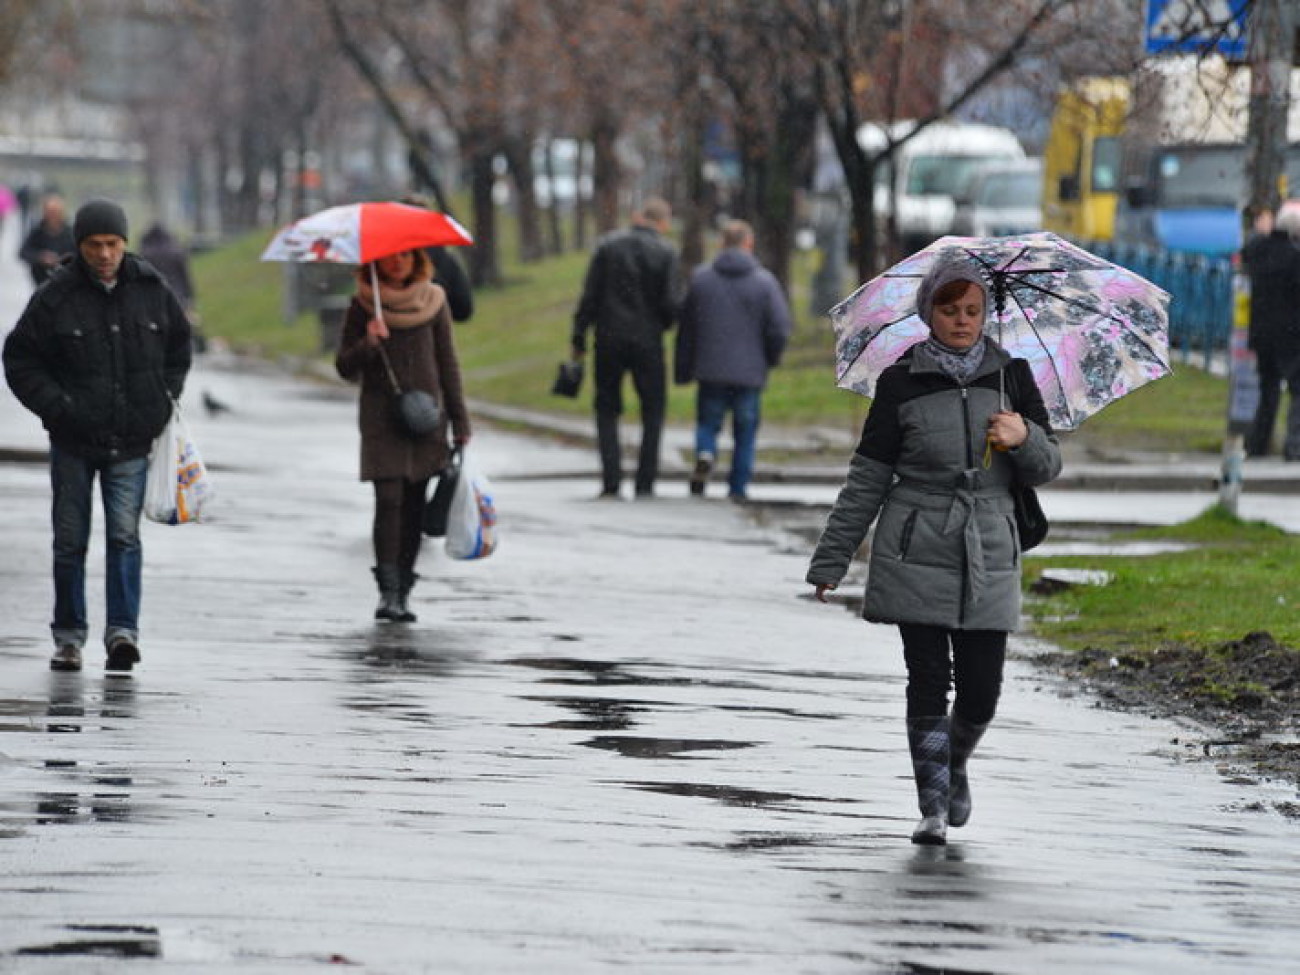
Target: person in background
408, 323
939, 451
49, 240
448, 273
734, 325
1272, 262
100, 354
629, 297
161, 249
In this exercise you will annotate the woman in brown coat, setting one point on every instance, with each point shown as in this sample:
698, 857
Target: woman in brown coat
415, 331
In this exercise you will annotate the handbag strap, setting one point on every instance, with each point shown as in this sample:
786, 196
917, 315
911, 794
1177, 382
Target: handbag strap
388, 368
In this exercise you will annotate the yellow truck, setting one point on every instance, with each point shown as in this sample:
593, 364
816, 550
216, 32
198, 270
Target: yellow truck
1081, 161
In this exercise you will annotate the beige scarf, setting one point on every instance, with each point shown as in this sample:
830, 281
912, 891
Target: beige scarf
406, 307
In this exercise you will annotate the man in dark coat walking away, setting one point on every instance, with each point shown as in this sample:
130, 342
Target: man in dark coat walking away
48, 242
630, 298
1272, 261
98, 355
735, 324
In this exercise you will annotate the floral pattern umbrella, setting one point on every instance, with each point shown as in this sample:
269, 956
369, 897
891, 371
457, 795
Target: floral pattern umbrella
1091, 330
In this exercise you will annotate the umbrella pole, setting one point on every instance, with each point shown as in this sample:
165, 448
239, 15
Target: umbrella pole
999, 307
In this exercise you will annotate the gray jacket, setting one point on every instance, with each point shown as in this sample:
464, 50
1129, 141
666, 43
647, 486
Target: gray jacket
945, 551
734, 323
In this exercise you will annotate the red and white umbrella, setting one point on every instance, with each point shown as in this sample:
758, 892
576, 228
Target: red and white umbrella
359, 233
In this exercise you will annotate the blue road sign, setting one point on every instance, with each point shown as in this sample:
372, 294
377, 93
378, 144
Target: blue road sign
1197, 27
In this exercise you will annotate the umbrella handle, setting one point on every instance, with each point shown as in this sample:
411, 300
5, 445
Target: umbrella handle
374, 285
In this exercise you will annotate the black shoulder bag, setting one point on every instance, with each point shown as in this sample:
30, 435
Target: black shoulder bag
1031, 522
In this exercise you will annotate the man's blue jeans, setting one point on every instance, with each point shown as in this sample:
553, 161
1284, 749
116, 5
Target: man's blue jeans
121, 486
712, 403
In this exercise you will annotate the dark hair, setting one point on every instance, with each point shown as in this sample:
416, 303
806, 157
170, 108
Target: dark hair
952, 291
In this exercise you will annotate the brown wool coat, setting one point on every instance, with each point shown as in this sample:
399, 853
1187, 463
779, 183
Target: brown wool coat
423, 357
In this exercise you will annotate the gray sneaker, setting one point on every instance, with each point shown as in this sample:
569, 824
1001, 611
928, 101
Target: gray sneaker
700, 476
66, 657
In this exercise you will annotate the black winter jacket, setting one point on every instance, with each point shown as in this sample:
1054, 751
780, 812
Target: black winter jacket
98, 366
1273, 263
631, 290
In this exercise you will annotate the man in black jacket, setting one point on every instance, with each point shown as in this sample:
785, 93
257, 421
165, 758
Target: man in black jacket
48, 242
1272, 261
98, 355
630, 297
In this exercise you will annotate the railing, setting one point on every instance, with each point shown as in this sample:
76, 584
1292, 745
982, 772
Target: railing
1200, 288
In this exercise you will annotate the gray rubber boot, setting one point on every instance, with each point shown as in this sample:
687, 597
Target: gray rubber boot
963, 737
927, 739
389, 580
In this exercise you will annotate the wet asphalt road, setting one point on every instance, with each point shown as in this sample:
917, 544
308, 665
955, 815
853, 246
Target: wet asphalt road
623, 743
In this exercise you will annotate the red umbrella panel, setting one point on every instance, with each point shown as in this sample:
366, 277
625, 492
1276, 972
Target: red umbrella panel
359, 233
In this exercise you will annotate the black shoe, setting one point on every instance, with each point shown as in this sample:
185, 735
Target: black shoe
700, 476
645, 493
66, 658
122, 656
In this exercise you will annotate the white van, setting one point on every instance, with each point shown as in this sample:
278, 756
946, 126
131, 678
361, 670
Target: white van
933, 166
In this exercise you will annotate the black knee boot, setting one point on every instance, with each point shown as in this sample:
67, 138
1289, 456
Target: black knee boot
963, 737
927, 739
407, 579
389, 580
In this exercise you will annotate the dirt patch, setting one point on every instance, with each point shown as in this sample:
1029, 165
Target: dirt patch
1247, 691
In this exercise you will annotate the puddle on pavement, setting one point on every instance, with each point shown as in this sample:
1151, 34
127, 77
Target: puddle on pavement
605, 673
634, 747
732, 796
102, 941
597, 713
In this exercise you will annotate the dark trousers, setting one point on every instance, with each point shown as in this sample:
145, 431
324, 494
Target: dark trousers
646, 364
937, 658
1275, 367
399, 518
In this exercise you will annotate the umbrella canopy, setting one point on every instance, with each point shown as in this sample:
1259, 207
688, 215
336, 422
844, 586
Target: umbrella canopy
359, 233
1091, 330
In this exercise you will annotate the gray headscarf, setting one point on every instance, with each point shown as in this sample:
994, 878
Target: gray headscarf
958, 364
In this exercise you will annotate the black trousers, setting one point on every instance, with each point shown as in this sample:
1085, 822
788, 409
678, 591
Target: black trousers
937, 658
646, 364
399, 520
1276, 366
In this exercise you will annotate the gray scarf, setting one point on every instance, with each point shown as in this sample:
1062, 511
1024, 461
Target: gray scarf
957, 364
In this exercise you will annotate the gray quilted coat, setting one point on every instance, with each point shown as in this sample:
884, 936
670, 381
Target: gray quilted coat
945, 550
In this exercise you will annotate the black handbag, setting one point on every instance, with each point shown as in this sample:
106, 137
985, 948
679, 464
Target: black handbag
417, 412
568, 380
439, 503
1031, 522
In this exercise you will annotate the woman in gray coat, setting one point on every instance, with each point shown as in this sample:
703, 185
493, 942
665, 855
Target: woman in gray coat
415, 332
954, 422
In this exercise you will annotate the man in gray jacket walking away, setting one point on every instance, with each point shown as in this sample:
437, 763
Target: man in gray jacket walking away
734, 325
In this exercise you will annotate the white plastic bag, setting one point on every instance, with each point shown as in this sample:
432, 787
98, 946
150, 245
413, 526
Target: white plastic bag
472, 520
178, 487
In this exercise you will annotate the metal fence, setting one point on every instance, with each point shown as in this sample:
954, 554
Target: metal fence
1200, 288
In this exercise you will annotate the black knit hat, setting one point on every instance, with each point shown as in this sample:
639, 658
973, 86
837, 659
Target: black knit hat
99, 217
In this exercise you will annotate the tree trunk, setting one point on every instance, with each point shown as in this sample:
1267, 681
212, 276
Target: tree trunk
483, 264
1272, 36
606, 174
519, 161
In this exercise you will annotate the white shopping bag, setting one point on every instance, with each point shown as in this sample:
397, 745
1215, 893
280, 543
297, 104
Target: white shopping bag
178, 487
472, 520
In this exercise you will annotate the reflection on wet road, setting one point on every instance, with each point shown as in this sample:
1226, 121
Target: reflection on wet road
621, 744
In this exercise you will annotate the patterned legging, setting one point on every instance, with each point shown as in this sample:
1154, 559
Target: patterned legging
399, 514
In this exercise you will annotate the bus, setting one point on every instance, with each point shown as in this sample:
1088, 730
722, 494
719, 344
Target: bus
1081, 160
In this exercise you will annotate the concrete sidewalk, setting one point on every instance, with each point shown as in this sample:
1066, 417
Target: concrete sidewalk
625, 742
